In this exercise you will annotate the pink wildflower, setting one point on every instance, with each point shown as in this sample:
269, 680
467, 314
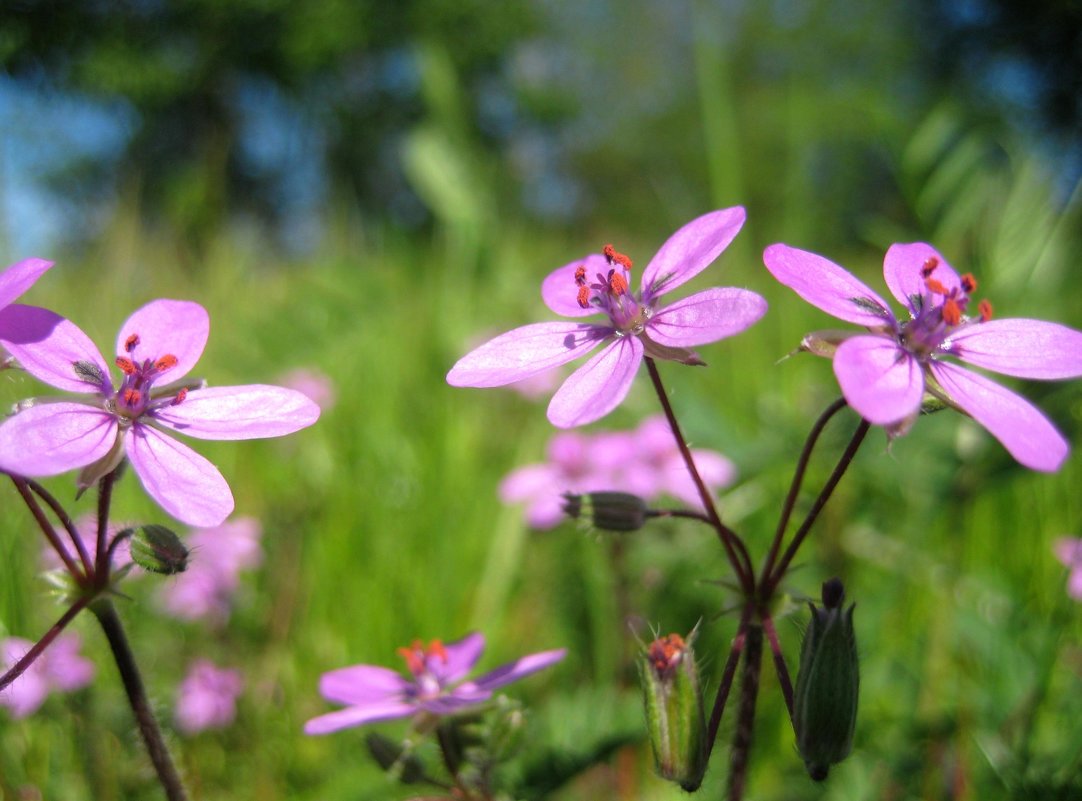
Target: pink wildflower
159, 343
636, 324
59, 668
207, 697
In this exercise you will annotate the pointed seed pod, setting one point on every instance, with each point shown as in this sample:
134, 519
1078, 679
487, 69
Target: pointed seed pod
611, 511
157, 549
827, 686
674, 709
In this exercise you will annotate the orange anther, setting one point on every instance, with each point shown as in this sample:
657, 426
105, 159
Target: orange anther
179, 399
580, 275
929, 266
985, 309
969, 283
952, 312
584, 297
617, 283
665, 652
615, 257
126, 365
131, 342
435, 648
935, 287
131, 396
165, 362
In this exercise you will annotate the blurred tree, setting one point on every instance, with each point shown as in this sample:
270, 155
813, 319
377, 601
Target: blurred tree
231, 96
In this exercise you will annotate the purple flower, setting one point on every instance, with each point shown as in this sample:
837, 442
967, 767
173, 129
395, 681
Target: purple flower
15, 280
635, 325
59, 668
435, 686
159, 343
1069, 551
218, 555
885, 373
207, 697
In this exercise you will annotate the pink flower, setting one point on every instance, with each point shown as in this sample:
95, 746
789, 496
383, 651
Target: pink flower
87, 526
159, 343
436, 686
218, 555
14, 281
885, 373
1069, 551
644, 462
207, 697
636, 325
316, 385
59, 668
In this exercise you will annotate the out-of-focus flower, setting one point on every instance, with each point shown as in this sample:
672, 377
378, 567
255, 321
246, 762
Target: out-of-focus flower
14, 281
207, 697
217, 556
1069, 551
59, 668
435, 686
160, 342
645, 462
317, 386
87, 526
885, 373
636, 324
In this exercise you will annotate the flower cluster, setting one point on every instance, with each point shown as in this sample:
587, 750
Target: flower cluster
644, 462
60, 668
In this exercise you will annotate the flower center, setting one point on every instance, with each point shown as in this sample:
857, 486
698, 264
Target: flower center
609, 294
134, 395
940, 312
420, 660
665, 653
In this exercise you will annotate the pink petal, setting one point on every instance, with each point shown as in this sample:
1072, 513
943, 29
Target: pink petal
512, 671
716, 472
1024, 431
252, 411
362, 684
690, 250
1019, 347
52, 438
48, 347
902, 268
19, 277
824, 284
175, 327
882, 382
462, 655
523, 352
357, 716
706, 317
1069, 551
527, 482
598, 387
560, 292
182, 482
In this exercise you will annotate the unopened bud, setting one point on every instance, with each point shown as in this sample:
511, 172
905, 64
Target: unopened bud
674, 709
827, 686
612, 511
158, 549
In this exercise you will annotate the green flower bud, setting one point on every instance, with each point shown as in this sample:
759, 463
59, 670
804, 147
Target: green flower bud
674, 709
158, 549
612, 511
827, 686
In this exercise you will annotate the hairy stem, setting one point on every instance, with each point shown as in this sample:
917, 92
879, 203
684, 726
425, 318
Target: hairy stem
104, 610
727, 680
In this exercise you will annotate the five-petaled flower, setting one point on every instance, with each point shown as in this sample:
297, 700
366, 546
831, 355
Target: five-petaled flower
157, 345
636, 326
372, 693
885, 373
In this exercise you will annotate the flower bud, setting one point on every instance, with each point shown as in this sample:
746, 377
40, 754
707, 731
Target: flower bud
612, 511
158, 549
674, 709
827, 686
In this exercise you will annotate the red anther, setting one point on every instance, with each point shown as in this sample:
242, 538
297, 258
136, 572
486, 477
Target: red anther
131, 397
969, 283
929, 266
580, 275
617, 283
165, 362
615, 257
179, 399
985, 309
952, 312
935, 287
584, 296
414, 656
665, 652
126, 365
435, 648
131, 342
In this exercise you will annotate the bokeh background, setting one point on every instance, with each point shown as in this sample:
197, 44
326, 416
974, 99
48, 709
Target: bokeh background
367, 189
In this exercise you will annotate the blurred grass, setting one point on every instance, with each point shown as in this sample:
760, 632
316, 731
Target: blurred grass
382, 522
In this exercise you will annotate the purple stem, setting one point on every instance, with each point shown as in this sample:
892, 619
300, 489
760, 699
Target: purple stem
779, 659
733, 544
35, 651
745, 721
105, 497
727, 680
47, 529
66, 521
